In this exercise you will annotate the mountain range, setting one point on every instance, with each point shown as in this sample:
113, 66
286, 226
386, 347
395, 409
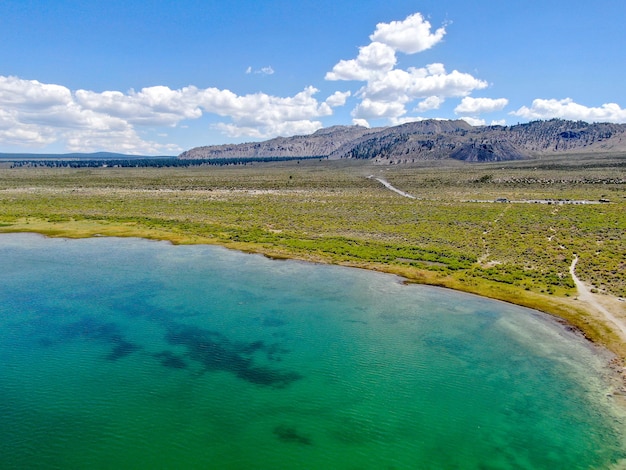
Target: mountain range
432, 140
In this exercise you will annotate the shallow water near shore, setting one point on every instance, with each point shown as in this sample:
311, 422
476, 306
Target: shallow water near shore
128, 353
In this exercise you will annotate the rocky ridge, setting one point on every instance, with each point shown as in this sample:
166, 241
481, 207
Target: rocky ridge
432, 140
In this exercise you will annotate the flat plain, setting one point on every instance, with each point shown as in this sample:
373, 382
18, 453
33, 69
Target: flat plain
505, 230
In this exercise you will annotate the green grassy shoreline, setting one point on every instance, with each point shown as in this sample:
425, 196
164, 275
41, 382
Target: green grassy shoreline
592, 328
330, 212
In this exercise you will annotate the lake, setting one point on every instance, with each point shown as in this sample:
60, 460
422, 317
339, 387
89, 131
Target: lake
128, 353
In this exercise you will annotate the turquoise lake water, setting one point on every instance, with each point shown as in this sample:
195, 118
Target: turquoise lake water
126, 353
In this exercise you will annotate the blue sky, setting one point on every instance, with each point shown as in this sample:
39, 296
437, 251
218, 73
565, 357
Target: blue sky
159, 77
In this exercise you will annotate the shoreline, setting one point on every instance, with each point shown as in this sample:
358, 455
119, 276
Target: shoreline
579, 313
585, 294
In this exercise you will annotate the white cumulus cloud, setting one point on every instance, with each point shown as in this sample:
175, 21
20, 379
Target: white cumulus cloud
372, 59
38, 114
338, 98
388, 89
157, 105
263, 111
388, 94
260, 115
409, 36
368, 109
361, 122
432, 102
14, 132
568, 109
474, 106
31, 94
434, 80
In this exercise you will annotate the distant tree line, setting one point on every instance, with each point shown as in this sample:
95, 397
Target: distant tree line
153, 162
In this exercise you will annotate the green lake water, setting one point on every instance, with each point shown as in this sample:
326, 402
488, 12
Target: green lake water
131, 354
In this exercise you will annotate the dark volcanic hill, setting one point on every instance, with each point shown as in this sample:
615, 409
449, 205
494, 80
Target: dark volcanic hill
434, 139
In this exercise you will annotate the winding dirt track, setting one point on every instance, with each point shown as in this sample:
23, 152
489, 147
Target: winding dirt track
587, 296
388, 185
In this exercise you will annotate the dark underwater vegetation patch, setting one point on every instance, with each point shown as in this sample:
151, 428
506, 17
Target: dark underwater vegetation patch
275, 351
268, 376
91, 329
290, 434
122, 349
169, 359
253, 347
215, 352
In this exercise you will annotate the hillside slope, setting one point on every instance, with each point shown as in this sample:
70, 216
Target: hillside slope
321, 143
